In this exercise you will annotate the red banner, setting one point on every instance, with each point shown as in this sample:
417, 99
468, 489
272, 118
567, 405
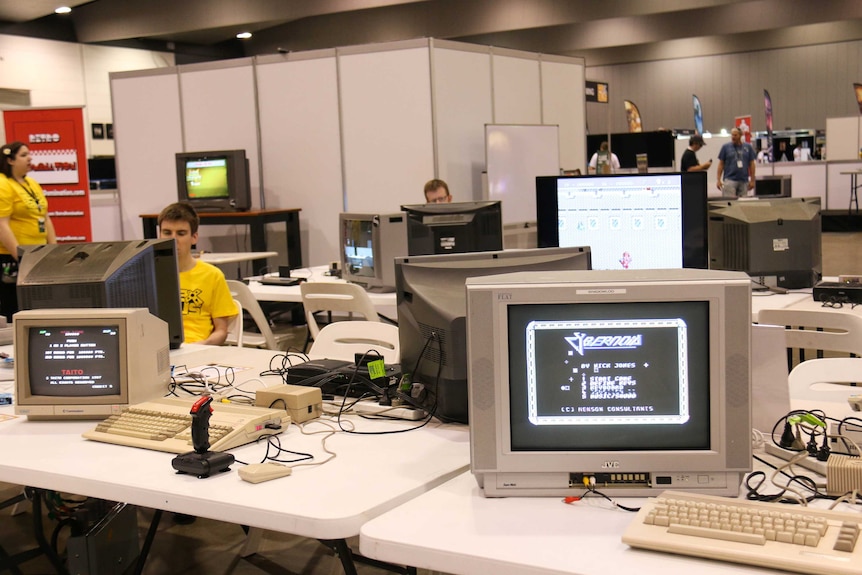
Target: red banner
59, 159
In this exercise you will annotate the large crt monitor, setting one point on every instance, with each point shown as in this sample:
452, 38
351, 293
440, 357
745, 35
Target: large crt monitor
767, 238
136, 273
454, 228
214, 181
369, 245
637, 381
432, 308
631, 221
88, 363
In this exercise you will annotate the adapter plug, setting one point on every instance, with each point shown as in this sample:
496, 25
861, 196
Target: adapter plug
787, 438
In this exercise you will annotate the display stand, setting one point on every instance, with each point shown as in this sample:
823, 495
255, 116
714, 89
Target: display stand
256, 221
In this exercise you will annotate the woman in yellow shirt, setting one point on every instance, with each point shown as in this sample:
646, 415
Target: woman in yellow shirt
24, 219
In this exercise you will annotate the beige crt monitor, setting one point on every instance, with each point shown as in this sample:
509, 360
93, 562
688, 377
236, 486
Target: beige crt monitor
88, 363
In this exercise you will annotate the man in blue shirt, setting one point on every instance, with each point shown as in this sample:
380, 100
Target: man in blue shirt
736, 161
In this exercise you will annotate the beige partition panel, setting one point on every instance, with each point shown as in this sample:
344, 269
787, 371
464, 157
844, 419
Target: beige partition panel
147, 134
218, 103
386, 125
563, 104
517, 89
461, 83
842, 138
300, 146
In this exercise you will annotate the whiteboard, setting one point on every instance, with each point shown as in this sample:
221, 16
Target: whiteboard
514, 156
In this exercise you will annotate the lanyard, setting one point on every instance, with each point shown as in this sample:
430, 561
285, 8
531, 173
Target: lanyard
30, 193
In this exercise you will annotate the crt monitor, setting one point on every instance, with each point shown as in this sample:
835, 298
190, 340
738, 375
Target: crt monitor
768, 238
432, 307
136, 273
88, 363
454, 228
634, 381
214, 181
369, 245
630, 221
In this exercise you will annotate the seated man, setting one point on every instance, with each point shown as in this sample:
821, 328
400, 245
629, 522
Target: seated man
207, 304
437, 192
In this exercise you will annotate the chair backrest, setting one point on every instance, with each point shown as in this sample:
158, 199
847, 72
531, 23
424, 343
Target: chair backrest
335, 296
234, 328
826, 379
829, 329
250, 304
344, 339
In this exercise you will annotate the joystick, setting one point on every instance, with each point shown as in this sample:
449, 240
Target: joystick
201, 461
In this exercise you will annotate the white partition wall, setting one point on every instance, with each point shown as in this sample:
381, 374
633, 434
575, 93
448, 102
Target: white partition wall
147, 134
843, 141
385, 125
358, 129
461, 90
562, 84
300, 145
517, 87
218, 103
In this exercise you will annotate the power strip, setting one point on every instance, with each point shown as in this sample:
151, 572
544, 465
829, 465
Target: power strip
374, 408
808, 463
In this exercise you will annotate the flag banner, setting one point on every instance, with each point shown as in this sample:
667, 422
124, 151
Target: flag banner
698, 115
858, 89
767, 102
633, 117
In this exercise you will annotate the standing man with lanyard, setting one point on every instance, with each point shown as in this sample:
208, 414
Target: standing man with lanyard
736, 161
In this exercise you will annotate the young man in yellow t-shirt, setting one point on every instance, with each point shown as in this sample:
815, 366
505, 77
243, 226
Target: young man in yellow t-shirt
207, 304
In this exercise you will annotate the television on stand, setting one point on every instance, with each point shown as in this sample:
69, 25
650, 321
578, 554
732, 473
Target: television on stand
369, 245
630, 221
454, 228
776, 241
432, 307
629, 381
122, 274
216, 181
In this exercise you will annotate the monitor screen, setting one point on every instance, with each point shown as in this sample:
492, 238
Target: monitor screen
768, 238
432, 309
454, 228
137, 273
214, 181
638, 381
369, 245
88, 363
630, 221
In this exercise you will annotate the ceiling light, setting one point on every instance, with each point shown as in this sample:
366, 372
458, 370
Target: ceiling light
62, 10
244, 35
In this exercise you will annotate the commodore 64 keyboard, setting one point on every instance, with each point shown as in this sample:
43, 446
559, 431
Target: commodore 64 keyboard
790, 537
165, 425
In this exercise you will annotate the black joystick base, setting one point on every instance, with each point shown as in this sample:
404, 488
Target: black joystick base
203, 464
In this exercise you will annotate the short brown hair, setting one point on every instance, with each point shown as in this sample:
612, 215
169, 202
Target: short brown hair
181, 212
434, 185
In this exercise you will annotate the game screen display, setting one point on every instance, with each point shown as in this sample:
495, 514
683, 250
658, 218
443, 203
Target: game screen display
74, 361
594, 376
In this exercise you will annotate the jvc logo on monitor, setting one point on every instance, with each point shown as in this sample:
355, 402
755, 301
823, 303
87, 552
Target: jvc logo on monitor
582, 342
611, 465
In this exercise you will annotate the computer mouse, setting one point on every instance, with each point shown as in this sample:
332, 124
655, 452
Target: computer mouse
259, 472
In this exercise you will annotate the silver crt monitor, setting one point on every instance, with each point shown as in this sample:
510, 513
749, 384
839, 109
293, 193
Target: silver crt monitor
632, 381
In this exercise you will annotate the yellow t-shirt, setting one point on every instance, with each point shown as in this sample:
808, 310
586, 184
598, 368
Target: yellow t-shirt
204, 295
27, 210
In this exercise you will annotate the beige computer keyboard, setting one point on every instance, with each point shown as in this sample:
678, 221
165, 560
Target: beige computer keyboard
774, 535
165, 425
